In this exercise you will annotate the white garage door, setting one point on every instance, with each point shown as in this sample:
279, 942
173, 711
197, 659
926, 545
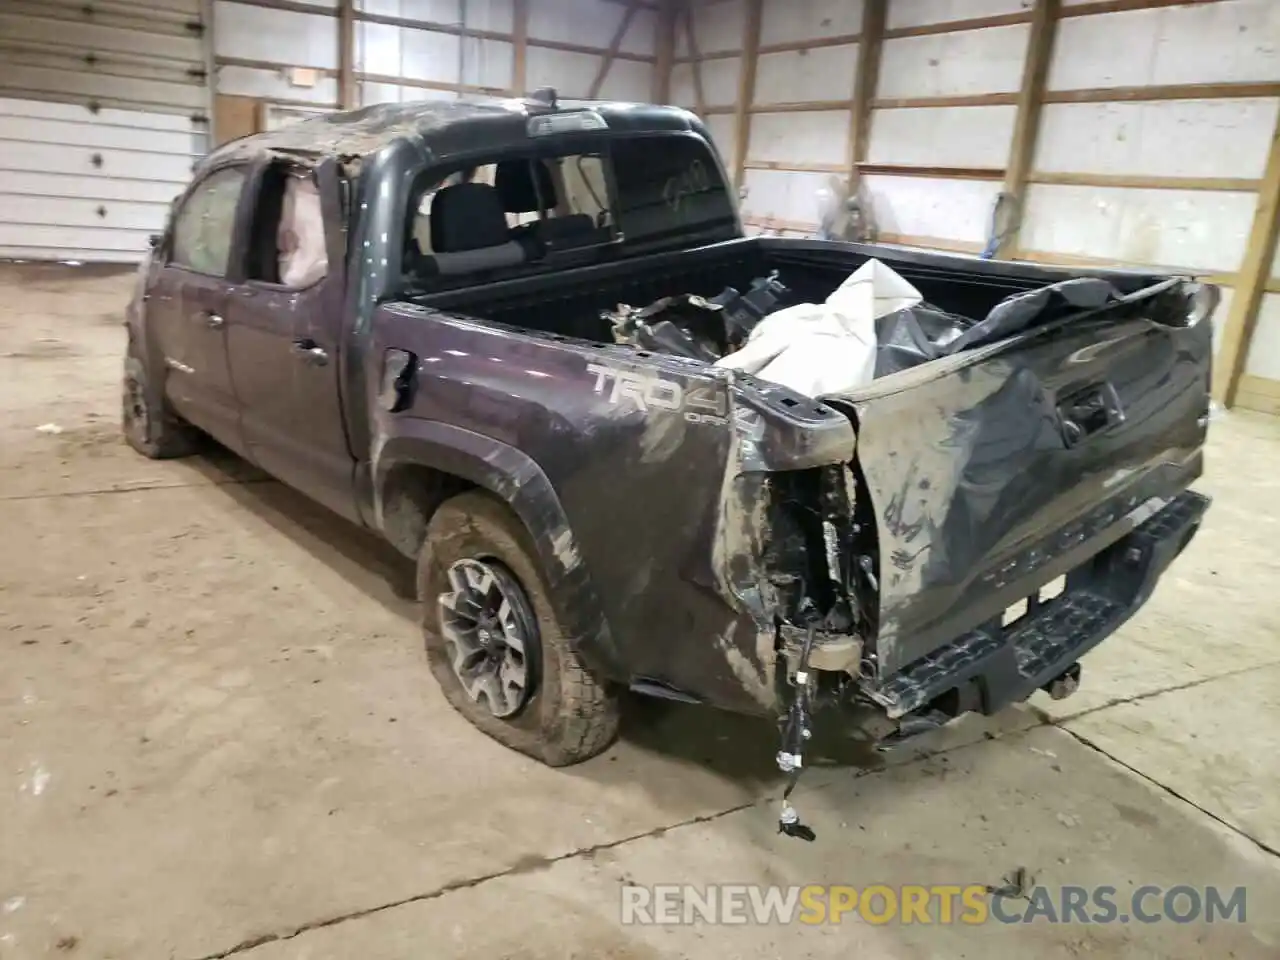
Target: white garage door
104, 108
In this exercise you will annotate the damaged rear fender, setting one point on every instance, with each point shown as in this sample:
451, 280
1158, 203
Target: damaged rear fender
460, 457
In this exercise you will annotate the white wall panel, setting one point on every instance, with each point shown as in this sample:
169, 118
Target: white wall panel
718, 26
920, 207
1220, 316
629, 80
488, 63
724, 129
817, 137
915, 13
1205, 43
371, 92
1264, 350
570, 73
784, 194
942, 136
280, 36
401, 52
1202, 230
813, 19
273, 85
1192, 138
821, 73
720, 81
948, 64
641, 37
591, 24
683, 92
495, 15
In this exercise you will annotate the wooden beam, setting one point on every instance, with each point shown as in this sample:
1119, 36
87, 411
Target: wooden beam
1124, 6
794, 166
746, 88
1026, 125
1172, 91
953, 100
347, 54
664, 48
801, 106
1140, 182
937, 172
958, 26
1259, 394
867, 75
1255, 271
615, 44
691, 41
520, 47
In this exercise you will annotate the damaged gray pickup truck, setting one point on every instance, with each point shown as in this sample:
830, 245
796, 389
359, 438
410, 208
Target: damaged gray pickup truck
491, 331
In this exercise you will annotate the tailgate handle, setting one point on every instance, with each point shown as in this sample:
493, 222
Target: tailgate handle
1089, 411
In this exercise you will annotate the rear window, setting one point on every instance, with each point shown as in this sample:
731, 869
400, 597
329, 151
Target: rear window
666, 185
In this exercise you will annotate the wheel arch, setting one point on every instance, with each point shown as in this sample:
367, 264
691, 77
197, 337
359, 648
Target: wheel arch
426, 463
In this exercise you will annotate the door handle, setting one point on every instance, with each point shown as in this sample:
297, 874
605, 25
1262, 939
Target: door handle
1089, 411
214, 321
310, 352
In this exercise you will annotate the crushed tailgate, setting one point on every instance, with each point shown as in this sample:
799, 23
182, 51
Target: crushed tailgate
1016, 465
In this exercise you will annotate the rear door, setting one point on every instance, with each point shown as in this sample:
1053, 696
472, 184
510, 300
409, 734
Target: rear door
187, 305
989, 478
284, 324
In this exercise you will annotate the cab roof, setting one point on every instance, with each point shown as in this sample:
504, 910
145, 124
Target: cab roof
442, 129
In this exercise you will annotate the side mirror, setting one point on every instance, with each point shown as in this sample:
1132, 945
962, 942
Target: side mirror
155, 240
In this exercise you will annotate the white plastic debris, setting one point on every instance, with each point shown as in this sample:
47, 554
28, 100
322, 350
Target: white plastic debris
817, 349
48, 428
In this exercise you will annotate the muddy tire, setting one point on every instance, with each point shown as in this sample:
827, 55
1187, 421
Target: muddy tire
495, 644
150, 426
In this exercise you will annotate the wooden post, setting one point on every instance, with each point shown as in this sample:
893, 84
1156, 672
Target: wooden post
870, 44
520, 48
746, 89
347, 54
695, 62
1252, 282
1026, 126
611, 54
664, 48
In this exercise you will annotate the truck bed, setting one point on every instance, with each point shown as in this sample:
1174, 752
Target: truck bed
570, 303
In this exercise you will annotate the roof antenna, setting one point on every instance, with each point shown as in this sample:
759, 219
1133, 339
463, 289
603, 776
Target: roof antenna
544, 95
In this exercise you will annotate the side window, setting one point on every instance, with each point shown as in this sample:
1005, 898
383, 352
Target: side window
286, 244
584, 190
203, 227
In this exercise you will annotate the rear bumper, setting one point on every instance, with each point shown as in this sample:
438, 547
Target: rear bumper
993, 666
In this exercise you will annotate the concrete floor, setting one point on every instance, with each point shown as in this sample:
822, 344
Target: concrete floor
218, 736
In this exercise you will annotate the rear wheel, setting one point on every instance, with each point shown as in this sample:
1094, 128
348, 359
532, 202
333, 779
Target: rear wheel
494, 642
150, 426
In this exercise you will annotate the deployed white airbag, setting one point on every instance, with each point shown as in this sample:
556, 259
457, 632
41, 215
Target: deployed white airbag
829, 347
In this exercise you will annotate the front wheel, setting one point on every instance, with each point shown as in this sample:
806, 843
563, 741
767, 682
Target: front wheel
148, 423
495, 644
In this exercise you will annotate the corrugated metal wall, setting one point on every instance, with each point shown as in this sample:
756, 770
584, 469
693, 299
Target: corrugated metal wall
104, 108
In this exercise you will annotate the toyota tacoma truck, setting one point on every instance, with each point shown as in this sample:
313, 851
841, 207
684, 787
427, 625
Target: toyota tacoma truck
403, 312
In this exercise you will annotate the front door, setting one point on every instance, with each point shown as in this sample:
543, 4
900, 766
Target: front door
187, 306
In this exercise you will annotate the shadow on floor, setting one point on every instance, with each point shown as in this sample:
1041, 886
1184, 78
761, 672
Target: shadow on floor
738, 747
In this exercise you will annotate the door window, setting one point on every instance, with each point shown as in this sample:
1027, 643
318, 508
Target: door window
204, 226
